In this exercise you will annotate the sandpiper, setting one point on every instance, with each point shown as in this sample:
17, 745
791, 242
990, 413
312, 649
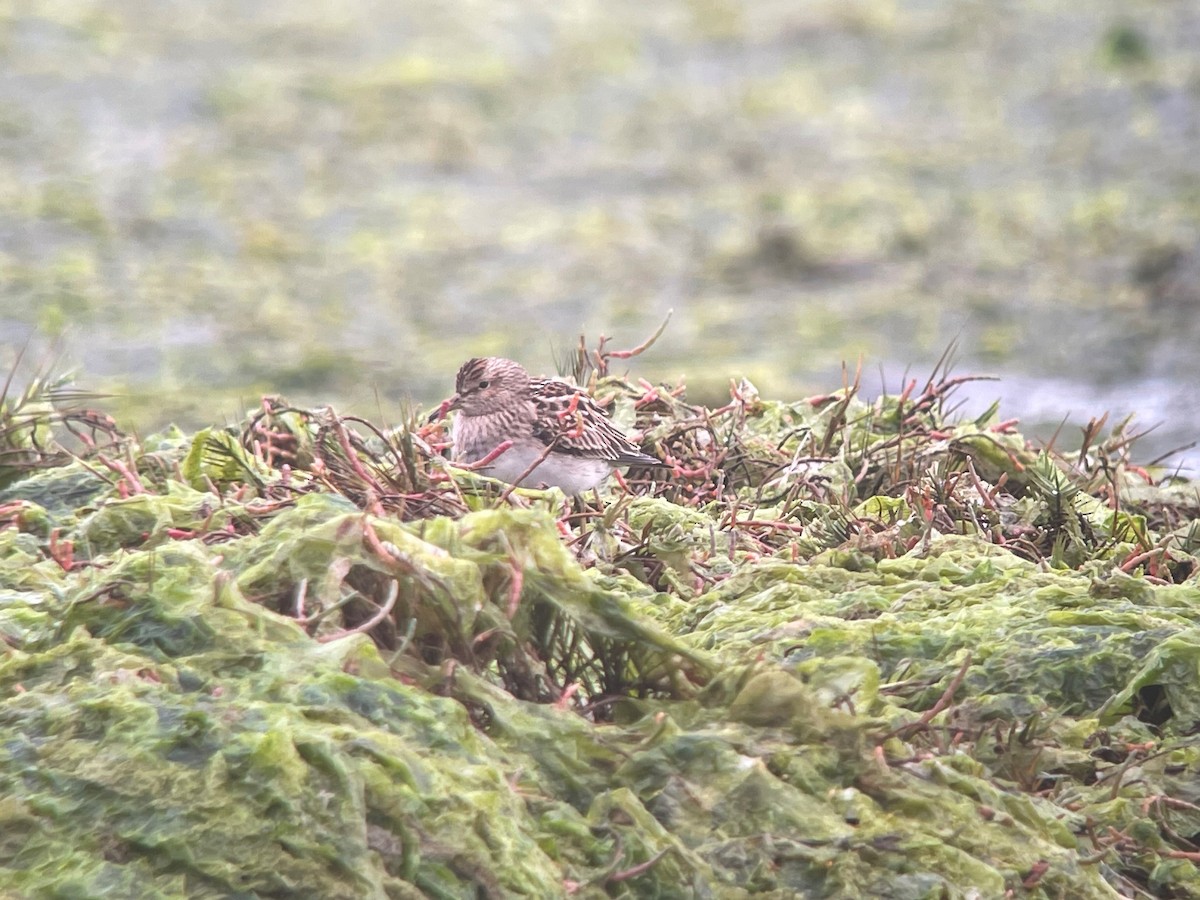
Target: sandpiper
559, 436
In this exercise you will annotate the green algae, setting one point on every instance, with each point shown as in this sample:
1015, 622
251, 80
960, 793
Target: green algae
879, 176
225, 675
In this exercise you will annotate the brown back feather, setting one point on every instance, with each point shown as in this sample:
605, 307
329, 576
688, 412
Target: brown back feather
599, 438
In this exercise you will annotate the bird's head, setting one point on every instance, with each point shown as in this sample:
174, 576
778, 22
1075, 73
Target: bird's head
486, 385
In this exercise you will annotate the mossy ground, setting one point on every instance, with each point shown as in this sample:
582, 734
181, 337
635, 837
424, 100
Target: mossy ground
841, 650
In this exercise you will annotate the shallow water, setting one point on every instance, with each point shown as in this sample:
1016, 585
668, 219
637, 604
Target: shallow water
341, 201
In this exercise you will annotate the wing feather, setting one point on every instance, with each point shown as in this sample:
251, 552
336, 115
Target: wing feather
598, 438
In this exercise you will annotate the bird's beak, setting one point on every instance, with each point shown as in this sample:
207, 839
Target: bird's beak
444, 407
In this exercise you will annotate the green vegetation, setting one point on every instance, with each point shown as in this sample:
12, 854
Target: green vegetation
336, 201
844, 650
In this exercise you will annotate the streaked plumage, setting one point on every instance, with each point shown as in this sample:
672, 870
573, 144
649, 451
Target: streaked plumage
498, 401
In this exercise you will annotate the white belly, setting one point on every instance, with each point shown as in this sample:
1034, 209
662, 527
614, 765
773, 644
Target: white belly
571, 474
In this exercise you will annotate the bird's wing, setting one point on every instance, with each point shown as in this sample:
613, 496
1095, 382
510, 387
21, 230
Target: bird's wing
570, 418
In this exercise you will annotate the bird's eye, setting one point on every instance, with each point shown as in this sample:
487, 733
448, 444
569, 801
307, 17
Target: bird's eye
483, 385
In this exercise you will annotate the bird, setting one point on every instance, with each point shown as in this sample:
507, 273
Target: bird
560, 436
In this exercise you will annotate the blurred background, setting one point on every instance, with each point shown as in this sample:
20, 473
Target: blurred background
340, 201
